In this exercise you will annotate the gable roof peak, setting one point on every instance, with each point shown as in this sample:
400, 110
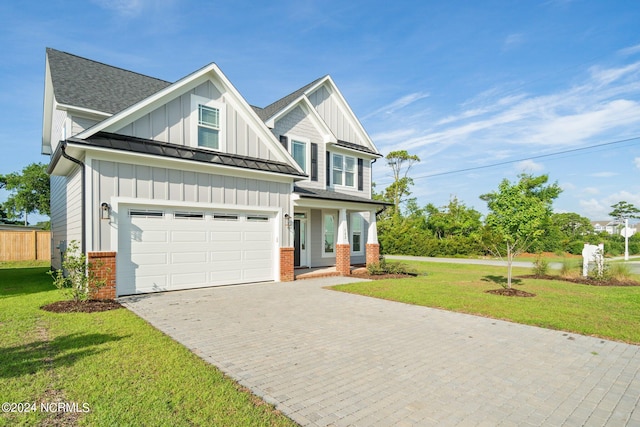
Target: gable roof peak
271, 109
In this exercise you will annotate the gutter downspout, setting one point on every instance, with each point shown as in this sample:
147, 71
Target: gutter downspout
83, 225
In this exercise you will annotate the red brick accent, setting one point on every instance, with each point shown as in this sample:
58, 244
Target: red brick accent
373, 253
103, 265
343, 259
286, 265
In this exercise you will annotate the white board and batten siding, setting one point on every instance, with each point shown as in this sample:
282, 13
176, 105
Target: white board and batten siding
327, 106
169, 248
171, 123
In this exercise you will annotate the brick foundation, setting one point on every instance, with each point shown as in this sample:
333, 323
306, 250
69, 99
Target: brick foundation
104, 266
286, 265
343, 259
373, 253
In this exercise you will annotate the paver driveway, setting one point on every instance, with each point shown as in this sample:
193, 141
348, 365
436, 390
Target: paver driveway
330, 358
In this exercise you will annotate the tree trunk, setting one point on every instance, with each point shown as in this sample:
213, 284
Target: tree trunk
509, 264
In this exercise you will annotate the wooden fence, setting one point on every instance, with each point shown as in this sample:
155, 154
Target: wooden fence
25, 245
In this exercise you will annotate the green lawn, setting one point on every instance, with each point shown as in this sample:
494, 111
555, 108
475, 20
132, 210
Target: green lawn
609, 312
127, 372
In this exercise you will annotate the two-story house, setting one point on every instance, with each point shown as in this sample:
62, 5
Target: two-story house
184, 185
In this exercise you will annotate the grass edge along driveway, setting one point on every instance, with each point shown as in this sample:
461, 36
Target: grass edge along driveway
114, 364
606, 312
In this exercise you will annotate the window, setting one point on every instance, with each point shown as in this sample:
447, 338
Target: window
208, 127
356, 233
188, 215
344, 170
207, 123
143, 213
257, 218
329, 234
299, 153
224, 217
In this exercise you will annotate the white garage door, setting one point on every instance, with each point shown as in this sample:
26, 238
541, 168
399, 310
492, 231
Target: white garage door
170, 249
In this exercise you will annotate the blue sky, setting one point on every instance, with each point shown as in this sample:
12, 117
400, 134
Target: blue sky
462, 84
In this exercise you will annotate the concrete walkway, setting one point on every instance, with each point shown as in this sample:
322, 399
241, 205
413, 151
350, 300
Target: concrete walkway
330, 358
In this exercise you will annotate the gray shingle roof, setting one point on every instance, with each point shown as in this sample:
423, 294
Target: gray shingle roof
89, 84
271, 109
332, 195
155, 148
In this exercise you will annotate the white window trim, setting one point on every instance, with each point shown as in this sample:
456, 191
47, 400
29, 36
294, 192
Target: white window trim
197, 100
355, 171
335, 234
307, 142
351, 233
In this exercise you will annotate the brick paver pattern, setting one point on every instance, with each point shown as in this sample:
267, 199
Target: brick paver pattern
329, 358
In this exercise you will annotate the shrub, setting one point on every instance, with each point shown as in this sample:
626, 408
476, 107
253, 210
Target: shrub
384, 267
570, 268
77, 277
540, 266
620, 271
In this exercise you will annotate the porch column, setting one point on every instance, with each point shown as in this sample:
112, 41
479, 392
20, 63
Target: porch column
373, 247
343, 249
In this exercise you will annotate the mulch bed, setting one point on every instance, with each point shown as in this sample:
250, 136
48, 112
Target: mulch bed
510, 292
585, 280
88, 306
366, 275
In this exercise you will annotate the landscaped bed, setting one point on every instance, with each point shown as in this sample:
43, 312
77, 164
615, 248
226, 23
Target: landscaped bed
108, 368
605, 311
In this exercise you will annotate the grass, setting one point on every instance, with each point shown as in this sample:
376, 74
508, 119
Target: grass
607, 312
125, 370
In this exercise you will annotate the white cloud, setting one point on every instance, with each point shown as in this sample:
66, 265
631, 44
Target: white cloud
393, 135
128, 8
637, 162
529, 166
630, 50
512, 41
598, 209
609, 75
398, 104
568, 186
591, 190
606, 174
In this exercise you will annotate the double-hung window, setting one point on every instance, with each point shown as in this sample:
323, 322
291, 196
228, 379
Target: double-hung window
344, 170
207, 126
299, 153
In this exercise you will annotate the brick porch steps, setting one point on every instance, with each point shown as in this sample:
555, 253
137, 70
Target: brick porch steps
314, 273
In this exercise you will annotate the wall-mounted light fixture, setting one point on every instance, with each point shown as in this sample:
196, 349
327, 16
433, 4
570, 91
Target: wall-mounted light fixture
105, 210
287, 220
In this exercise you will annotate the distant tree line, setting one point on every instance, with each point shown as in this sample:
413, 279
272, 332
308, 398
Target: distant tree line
28, 193
520, 219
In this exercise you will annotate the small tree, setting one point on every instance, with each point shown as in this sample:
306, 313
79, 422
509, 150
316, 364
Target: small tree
400, 163
77, 277
519, 213
622, 211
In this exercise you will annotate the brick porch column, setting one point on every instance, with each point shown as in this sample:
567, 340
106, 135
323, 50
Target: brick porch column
343, 259
373, 253
103, 264
286, 265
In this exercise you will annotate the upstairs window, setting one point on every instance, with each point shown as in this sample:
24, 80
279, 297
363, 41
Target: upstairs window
208, 127
299, 153
344, 170
207, 123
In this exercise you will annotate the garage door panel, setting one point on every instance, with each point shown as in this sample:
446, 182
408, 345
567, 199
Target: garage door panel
169, 252
225, 236
189, 257
150, 236
149, 259
189, 279
188, 236
226, 256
